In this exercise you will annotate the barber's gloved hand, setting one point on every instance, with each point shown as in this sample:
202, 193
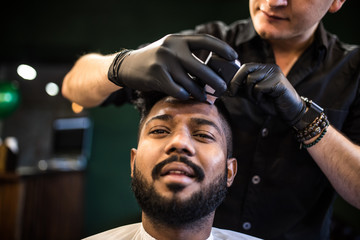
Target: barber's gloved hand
164, 66
266, 86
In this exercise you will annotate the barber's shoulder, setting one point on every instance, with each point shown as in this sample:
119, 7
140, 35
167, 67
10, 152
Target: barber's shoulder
350, 47
226, 32
219, 233
335, 42
220, 26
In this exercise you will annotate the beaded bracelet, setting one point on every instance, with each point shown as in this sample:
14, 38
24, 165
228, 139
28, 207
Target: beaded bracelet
302, 145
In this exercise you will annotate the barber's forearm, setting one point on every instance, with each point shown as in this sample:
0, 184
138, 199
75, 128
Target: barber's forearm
87, 83
339, 159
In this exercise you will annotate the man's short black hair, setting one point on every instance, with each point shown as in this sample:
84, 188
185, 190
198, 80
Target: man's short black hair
146, 100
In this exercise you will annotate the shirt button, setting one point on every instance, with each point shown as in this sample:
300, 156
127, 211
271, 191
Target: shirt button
255, 179
264, 132
246, 226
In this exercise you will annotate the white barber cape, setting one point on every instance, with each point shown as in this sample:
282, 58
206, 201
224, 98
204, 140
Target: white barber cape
136, 231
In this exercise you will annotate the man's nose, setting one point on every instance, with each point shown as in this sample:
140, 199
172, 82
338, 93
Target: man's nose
277, 3
181, 143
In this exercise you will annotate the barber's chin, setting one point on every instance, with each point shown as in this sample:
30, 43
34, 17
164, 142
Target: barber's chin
270, 31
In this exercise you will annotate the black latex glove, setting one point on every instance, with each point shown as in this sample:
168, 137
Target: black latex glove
165, 64
266, 86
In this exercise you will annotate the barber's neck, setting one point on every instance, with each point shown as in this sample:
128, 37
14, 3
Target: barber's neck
287, 51
198, 230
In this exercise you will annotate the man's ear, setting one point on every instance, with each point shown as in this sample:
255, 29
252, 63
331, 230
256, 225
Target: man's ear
336, 5
231, 170
132, 160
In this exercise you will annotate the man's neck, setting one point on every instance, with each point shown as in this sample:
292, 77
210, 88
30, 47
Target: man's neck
287, 51
199, 230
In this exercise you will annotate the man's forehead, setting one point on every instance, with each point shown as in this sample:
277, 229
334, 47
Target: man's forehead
172, 106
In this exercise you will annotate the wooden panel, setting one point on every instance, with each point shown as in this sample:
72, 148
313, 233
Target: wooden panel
41, 206
11, 191
53, 207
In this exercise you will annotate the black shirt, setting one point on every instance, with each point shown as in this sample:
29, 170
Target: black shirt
279, 192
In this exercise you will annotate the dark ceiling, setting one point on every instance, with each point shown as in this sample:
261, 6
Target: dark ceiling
60, 31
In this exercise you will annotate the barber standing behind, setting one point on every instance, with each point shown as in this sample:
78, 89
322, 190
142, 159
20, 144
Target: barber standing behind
296, 152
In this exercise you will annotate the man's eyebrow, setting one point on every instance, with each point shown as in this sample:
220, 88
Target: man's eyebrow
163, 117
202, 121
198, 121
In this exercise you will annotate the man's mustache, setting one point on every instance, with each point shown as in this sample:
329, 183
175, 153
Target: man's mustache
199, 173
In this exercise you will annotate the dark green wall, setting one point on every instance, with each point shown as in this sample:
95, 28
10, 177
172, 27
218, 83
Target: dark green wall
109, 200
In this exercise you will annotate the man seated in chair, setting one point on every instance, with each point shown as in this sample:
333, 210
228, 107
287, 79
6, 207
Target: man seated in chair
180, 171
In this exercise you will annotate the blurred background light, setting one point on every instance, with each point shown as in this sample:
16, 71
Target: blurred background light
76, 108
52, 89
26, 72
9, 99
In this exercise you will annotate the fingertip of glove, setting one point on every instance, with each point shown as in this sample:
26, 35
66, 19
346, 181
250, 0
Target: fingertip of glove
232, 54
235, 55
182, 94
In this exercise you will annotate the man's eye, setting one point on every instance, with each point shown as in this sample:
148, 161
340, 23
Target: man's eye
159, 131
205, 136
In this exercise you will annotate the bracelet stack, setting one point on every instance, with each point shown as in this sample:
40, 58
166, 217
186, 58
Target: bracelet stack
314, 128
318, 127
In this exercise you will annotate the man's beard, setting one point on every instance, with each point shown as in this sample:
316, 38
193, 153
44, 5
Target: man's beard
173, 211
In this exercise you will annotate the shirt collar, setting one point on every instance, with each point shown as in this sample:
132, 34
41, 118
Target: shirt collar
321, 36
145, 236
247, 32
321, 41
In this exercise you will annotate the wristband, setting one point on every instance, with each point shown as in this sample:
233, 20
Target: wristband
302, 145
113, 73
312, 112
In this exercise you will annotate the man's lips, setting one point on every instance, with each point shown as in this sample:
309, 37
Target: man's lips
177, 168
273, 16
